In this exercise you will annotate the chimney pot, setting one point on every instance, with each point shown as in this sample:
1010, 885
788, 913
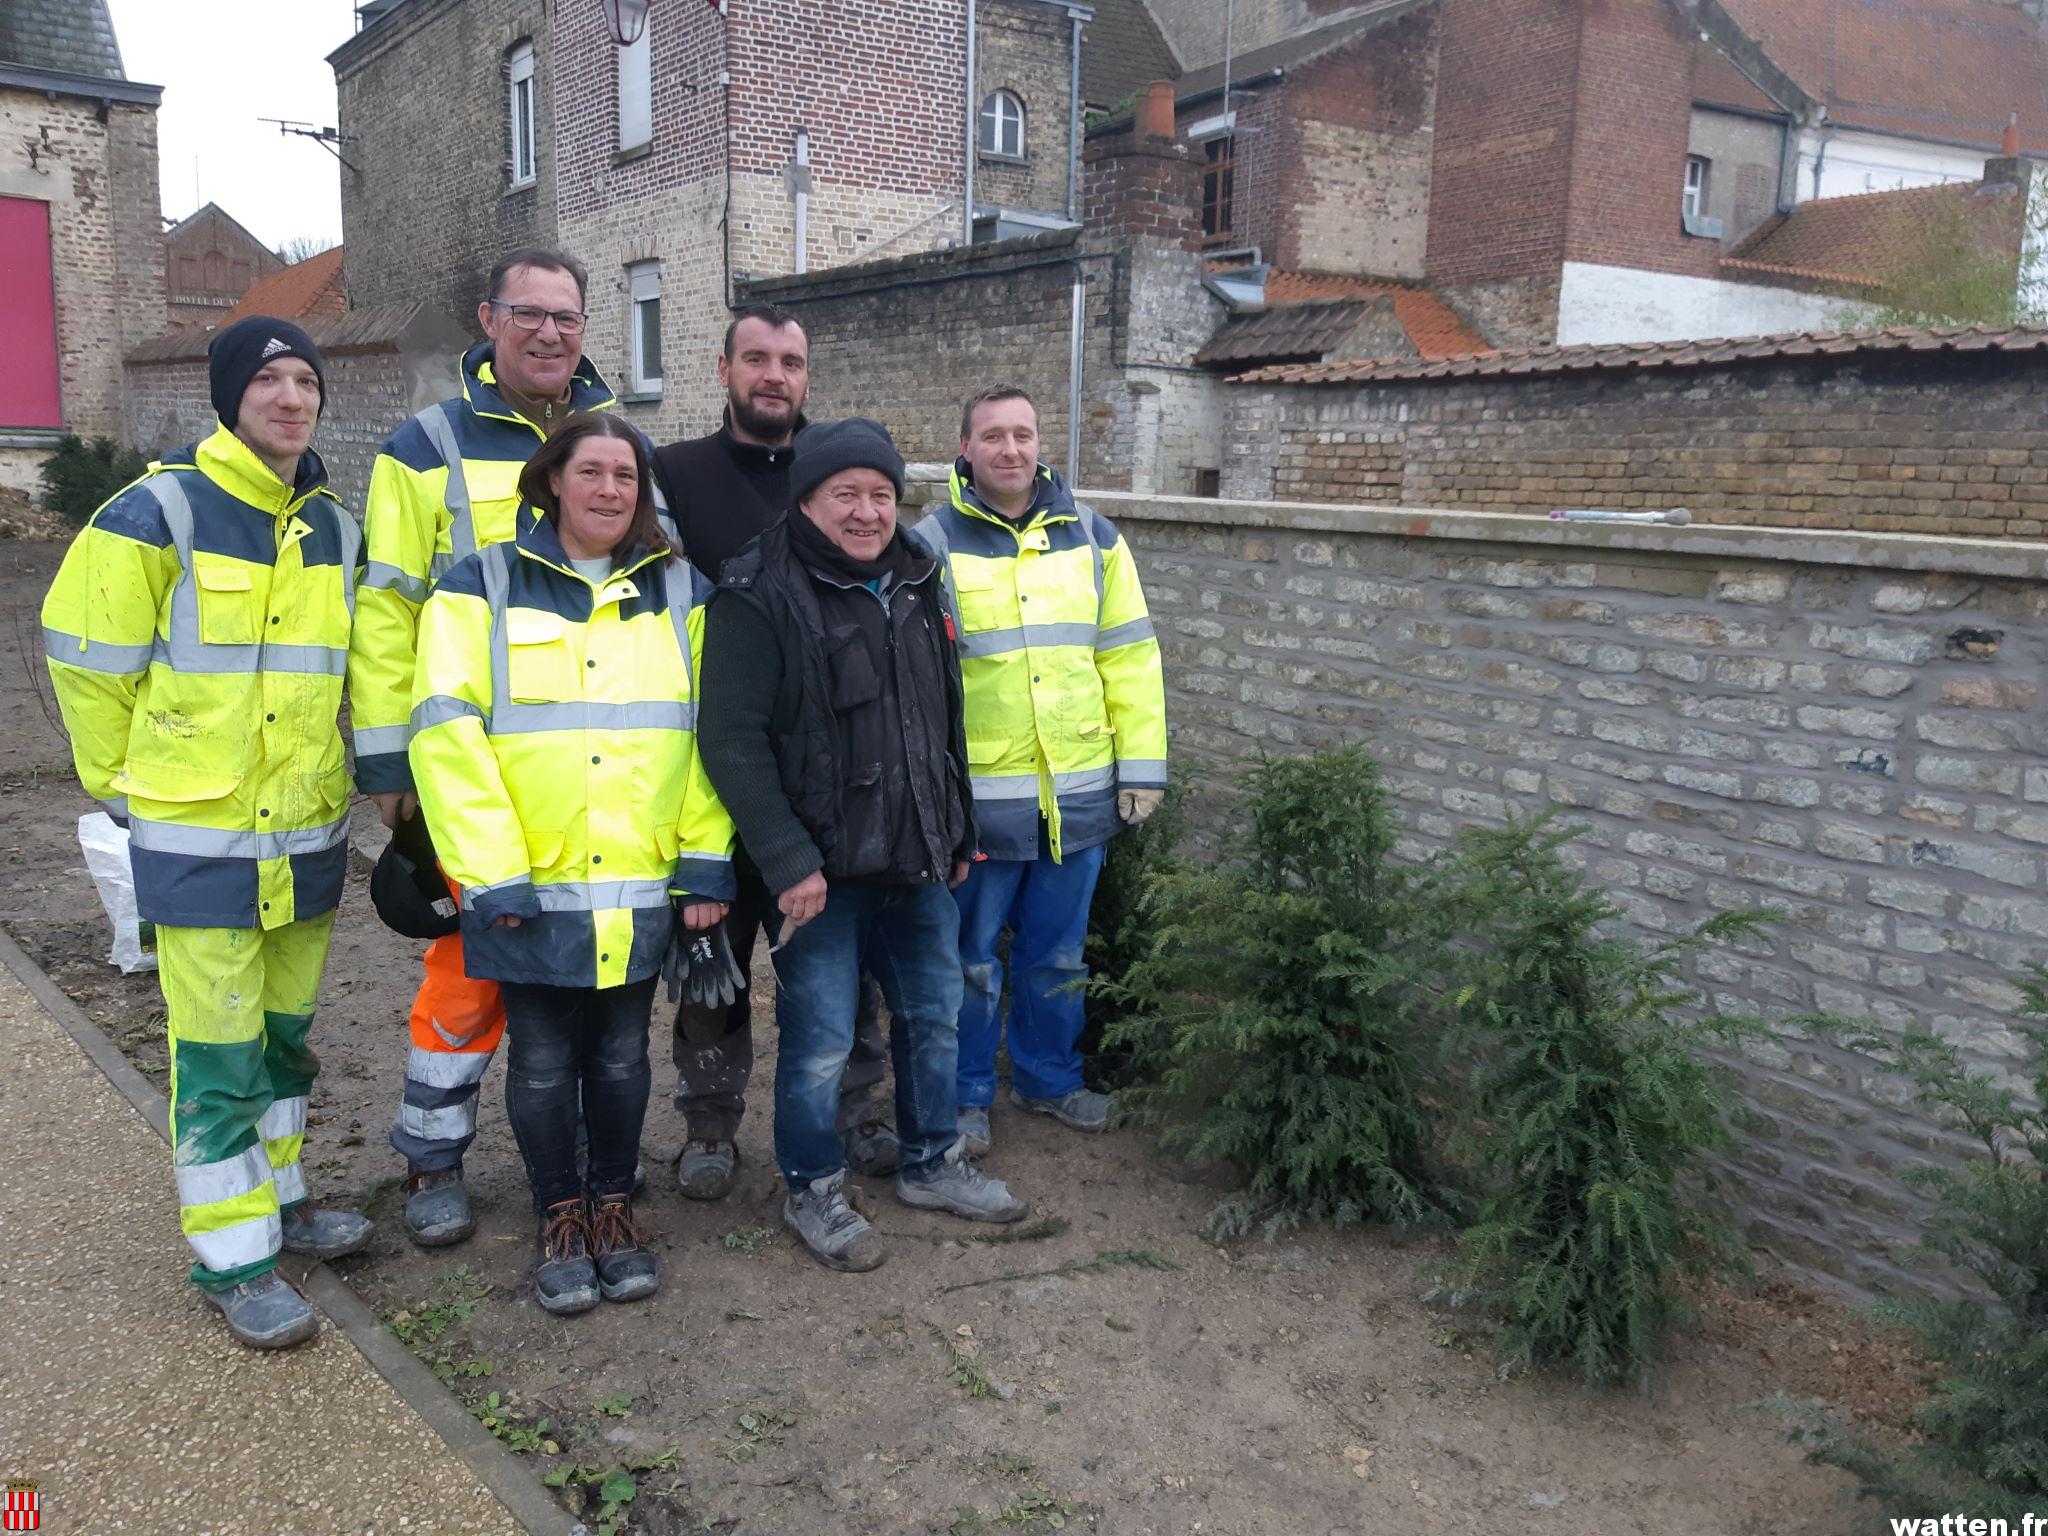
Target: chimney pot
1155, 111
2009, 146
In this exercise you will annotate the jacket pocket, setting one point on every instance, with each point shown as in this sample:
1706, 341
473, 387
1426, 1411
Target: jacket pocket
176, 783
228, 604
854, 679
980, 601
544, 849
541, 664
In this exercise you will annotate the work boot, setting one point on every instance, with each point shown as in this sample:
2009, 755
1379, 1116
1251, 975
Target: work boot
627, 1268
956, 1185
704, 1169
323, 1234
872, 1150
437, 1209
974, 1132
266, 1313
564, 1274
1083, 1109
837, 1235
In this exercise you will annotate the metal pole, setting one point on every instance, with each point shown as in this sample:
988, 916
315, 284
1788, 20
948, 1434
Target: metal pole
803, 201
1074, 127
1229, 48
973, 136
1074, 379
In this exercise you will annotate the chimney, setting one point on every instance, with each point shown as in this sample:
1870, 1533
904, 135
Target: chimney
1155, 109
2009, 146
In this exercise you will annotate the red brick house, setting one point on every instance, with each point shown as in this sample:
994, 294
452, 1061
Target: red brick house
210, 261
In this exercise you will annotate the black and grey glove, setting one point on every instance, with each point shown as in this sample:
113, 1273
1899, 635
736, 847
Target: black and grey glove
698, 969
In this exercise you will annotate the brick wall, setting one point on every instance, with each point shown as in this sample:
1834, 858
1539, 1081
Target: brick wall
1195, 28
1840, 728
1026, 49
431, 207
1910, 443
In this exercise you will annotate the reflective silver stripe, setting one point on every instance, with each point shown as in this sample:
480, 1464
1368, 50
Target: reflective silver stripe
497, 573
996, 642
351, 533
96, 655
291, 1183
437, 709
246, 1242
285, 1117
601, 895
461, 521
456, 1042
445, 1069
526, 719
1129, 633
197, 659
1086, 517
375, 740
449, 1124
389, 578
1007, 786
1082, 780
231, 1177
220, 843
1143, 771
471, 892
681, 595
117, 806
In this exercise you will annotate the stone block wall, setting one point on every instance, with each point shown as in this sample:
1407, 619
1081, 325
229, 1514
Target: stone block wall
1842, 730
1907, 443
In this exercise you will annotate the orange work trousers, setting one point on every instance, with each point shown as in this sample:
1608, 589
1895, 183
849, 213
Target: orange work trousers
457, 1022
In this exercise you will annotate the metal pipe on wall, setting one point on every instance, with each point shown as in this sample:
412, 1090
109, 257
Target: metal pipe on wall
802, 184
1074, 126
973, 137
1074, 377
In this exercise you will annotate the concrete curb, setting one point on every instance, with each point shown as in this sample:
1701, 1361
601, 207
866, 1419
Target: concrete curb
489, 1462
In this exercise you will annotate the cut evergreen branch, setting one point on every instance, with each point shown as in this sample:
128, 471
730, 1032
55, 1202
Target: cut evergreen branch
1120, 921
1276, 1010
1586, 1074
1101, 1264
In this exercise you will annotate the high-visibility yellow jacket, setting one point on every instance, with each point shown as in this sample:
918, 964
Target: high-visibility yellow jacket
554, 742
197, 636
1065, 697
445, 485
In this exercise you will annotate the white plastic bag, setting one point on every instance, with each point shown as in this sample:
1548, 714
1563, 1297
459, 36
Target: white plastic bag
105, 845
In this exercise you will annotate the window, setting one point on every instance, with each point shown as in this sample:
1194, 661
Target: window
636, 90
1002, 125
29, 391
519, 104
1694, 205
1219, 178
644, 284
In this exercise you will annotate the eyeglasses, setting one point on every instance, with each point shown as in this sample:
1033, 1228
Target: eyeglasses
531, 317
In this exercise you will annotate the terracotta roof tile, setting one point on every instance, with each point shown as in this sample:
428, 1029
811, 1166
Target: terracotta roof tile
1432, 325
316, 286
1663, 354
1945, 69
1862, 242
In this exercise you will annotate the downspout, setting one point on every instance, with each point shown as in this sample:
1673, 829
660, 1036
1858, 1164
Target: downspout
803, 201
973, 137
1074, 378
1074, 126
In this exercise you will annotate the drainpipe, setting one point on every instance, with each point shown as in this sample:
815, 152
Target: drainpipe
803, 201
1074, 379
1074, 126
973, 137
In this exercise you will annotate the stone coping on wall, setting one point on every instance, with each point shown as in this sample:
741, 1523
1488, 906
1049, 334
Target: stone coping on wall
2010, 558
376, 328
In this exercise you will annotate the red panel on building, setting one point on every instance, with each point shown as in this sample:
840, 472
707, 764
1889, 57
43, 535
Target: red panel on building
29, 393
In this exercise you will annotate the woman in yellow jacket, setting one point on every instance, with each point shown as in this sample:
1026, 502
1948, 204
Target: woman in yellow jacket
554, 746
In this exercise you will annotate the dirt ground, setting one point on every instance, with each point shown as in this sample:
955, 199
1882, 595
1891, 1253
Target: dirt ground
1170, 1386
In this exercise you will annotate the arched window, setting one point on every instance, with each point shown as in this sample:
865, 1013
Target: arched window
1002, 125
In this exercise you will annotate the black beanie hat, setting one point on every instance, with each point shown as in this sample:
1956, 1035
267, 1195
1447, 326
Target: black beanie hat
237, 354
824, 448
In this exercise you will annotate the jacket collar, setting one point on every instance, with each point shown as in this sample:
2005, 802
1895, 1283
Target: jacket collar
232, 465
537, 539
1051, 501
753, 455
587, 390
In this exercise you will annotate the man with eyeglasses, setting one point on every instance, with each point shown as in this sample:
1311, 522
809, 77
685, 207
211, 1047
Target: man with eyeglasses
444, 486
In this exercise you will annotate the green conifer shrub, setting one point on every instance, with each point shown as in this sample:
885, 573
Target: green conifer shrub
1594, 1106
79, 476
1120, 924
1275, 1012
1986, 1424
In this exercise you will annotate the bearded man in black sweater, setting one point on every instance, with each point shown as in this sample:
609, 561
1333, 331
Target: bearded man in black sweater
723, 490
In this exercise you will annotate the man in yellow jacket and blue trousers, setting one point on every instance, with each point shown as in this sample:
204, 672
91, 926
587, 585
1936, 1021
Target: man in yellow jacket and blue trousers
1066, 745
197, 636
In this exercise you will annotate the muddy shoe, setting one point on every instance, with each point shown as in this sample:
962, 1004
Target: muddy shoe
627, 1268
266, 1313
975, 1135
955, 1185
872, 1150
437, 1209
1083, 1109
324, 1234
837, 1235
564, 1274
705, 1168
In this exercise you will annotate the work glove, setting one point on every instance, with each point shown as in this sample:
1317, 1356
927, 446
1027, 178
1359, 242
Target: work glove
699, 970
1135, 805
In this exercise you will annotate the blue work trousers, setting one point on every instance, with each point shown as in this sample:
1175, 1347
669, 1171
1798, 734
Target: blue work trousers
1045, 907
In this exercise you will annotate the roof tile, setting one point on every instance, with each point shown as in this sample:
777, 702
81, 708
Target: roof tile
316, 286
1862, 242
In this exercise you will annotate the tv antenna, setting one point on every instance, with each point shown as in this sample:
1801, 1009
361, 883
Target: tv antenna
329, 139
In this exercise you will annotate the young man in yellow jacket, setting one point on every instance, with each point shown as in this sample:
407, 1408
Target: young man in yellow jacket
197, 636
1066, 745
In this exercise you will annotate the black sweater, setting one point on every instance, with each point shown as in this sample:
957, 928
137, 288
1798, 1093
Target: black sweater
722, 493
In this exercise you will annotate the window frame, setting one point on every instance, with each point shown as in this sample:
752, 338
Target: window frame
521, 92
1692, 197
1219, 188
643, 292
636, 91
993, 111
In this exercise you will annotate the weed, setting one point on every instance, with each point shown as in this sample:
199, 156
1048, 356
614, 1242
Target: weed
755, 1429
80, 475
1036, 1510
1102, 1263
504, 1423
423, 1327
614, 1407
612, 1488
1010, 1464
1116, 1327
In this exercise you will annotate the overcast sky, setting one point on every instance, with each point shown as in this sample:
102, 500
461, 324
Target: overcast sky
225, 65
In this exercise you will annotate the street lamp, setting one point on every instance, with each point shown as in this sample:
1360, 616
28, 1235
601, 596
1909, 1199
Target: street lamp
626, 20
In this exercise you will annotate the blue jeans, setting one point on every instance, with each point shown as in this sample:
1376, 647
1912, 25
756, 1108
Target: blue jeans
1045, 907
909, 937
577, 1053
